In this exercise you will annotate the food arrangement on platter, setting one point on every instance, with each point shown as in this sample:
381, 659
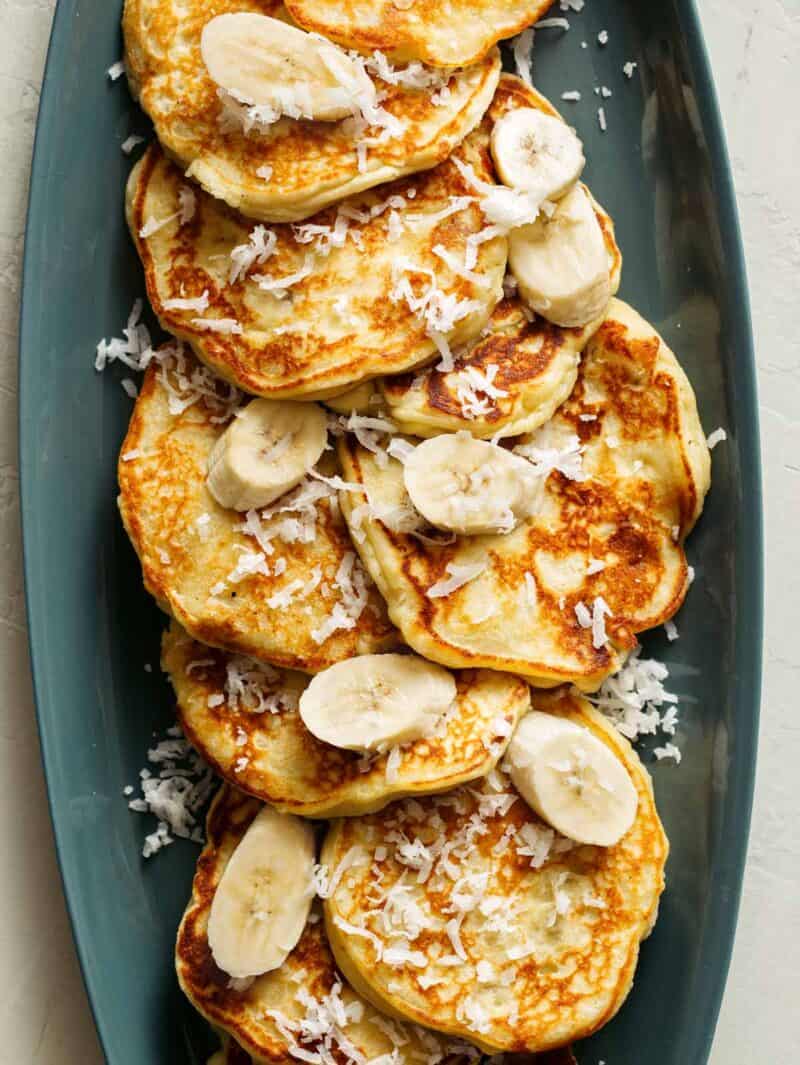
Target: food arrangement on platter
408, 479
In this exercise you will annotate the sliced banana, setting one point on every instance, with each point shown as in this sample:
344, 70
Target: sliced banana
265, 452
571, 779
466, 485
261, 904
536, 152
561, 263
266, 62
374, 702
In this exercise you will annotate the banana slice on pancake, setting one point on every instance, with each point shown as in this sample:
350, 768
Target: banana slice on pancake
263, 899
468, 486
537, 152
271, 64
374, 702
560, 262
571, 779
265, 452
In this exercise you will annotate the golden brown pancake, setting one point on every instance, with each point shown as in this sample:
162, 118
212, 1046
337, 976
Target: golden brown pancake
265, 1017
272, 755
514, 376
442, 33
339, 324
635, 415
533, 362
272, 591
519, 613
502, 932
309, 164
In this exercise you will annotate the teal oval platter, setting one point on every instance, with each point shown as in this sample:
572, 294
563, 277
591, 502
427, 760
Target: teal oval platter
661, 170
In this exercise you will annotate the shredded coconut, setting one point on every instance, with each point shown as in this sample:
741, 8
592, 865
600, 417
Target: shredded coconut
188, 303
175, 793
457, 577
260, 246
131, 142
522, 51
632, 699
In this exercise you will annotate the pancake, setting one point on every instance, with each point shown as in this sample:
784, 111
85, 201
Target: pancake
310, 164
518, 613
265, 1017
338, 324
201, 565
442, 33
533, 363
503, 932
272, 755
530, 362
635, 415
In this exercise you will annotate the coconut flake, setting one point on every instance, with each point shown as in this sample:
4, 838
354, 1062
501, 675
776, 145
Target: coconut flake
457, 577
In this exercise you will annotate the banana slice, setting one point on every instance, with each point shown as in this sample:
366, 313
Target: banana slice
536, 152
571, 779
373, 702
466, 485
264, 61
265, 451
261, 904
561, 262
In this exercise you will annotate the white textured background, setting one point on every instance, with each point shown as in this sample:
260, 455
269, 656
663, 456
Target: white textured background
755, 50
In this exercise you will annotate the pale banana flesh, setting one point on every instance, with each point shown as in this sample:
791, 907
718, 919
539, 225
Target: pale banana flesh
466, 485
266, 451
266, 62
561, 264
536, 152
374, 702
571, 779
262, 901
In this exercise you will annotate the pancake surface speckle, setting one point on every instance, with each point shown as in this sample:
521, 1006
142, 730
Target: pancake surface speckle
310, 164
256, 739
281, 585
522, 940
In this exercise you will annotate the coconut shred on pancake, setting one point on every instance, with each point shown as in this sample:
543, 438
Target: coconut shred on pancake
243, 718
444, 34
468, 914
281, 584
291, 168
304, 1009
373, 286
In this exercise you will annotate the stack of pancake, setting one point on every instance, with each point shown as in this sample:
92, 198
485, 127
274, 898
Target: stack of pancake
407, 480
